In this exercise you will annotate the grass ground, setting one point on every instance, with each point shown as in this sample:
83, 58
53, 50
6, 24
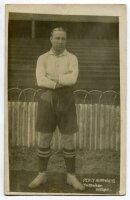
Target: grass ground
103, 166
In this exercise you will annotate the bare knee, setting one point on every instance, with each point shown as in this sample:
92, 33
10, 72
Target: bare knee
44, 139
68, 141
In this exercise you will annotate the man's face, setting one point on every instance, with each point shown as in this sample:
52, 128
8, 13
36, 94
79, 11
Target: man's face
58, 40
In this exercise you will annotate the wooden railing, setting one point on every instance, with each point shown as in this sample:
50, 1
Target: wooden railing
98, 119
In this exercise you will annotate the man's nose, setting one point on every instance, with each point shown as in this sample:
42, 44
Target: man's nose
60, 41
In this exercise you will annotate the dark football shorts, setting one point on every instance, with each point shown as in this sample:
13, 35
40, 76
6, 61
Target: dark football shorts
57, 108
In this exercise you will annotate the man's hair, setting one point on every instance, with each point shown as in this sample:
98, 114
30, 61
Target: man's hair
58, 29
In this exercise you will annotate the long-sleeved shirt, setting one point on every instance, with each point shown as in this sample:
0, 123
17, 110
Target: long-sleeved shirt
65, 66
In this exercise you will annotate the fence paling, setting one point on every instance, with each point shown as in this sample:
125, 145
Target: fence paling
34, 108
33, 123
85, 128
99, 126
96, 127
26, 122
23, 123
91, 127
81, 130
60, 145
102, 125
10, 124
80, 126
20, 123
17, 124
13, 125
112, 127
36, 134
55, 140
78, 119
54, 143
28, 125
74, 139
107, 126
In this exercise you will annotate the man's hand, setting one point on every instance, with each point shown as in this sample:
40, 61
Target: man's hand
58, 85
53, 78
56, 79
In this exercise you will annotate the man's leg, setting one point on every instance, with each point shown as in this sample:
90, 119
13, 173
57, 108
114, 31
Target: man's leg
44, 152
69, 156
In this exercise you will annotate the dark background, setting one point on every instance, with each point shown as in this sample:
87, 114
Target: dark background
94, 40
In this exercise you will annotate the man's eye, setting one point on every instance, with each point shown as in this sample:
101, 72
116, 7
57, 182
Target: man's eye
60, 38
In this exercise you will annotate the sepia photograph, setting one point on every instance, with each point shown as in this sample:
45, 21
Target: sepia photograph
65, 99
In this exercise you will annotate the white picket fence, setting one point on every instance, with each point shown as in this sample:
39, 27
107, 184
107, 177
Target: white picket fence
99, 125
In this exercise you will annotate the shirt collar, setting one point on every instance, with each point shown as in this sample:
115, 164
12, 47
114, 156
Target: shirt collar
64, 53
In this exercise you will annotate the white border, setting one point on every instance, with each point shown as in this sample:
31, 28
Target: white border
2, 4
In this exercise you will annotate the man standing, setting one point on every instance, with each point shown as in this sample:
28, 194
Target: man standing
56, 73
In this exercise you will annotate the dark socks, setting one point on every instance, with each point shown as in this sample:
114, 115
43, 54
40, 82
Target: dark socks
69, 156
43, 158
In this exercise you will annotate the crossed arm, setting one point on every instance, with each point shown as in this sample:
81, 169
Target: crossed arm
56, 81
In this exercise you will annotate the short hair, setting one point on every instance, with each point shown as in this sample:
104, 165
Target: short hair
58, 29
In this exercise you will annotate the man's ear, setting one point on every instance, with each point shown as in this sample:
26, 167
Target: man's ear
51, 39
